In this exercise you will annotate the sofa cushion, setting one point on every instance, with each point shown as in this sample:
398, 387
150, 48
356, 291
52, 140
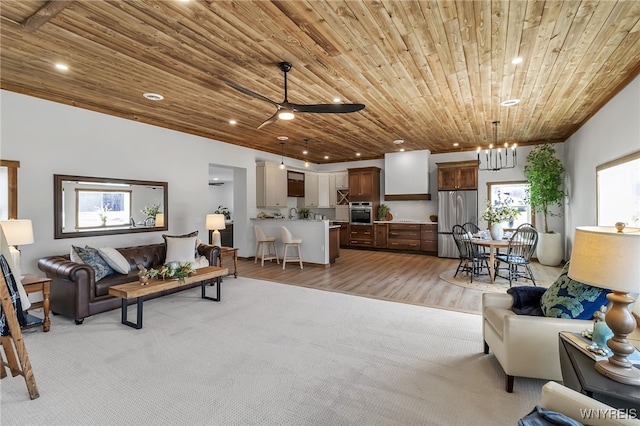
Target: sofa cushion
91, 257
567, 298
115, 259
526, 300
180, 249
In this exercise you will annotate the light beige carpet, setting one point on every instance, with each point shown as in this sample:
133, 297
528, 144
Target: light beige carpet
268, 354
483, 282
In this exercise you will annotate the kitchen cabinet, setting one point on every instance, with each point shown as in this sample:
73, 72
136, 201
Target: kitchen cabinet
429, 238
334, 244
333, 195
344, 234
311, 189
457, 175
364, 184
404, 236
323, 189
295, 184
361, 236
380, 234
342, 179
271, 185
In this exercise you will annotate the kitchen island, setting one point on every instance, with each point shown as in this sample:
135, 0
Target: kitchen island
315, 248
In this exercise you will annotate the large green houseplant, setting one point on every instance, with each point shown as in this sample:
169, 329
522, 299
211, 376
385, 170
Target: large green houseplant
543, 172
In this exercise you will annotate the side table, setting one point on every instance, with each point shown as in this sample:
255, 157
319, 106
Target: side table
225, 252
579, 373
34, 284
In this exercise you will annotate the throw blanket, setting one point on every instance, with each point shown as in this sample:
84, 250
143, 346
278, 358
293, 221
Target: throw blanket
12, 287
542, 417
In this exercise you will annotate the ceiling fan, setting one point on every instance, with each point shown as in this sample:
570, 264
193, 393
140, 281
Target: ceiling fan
285, 109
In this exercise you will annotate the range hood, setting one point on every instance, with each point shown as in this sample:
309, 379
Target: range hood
406, 175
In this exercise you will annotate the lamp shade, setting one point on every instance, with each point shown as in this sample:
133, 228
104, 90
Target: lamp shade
215, 222
605, 258
18, 231
160, 219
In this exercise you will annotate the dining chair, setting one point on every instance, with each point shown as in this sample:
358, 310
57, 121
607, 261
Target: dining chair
265, 242
474, 229
472, 260
289, 241
522, 246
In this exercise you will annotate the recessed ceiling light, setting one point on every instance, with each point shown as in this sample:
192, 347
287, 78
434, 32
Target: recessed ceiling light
232, 121
153, 96
282, 138
305, 152
456, 144
398, 141
510, 102
336, 100
357, 154
326, 157
62, 67
401, 149
517, 60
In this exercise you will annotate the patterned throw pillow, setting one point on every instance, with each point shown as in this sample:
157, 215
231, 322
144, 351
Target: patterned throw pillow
567, 298
91, 257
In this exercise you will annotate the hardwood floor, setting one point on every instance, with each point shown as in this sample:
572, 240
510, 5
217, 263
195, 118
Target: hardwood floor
399, 277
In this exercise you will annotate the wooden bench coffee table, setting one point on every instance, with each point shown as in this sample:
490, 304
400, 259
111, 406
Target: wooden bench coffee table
135, 290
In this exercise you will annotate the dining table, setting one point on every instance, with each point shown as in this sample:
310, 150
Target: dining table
494, 246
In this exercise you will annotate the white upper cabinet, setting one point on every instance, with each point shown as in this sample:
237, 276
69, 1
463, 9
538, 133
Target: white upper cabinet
271, 185
311, 189
342, 179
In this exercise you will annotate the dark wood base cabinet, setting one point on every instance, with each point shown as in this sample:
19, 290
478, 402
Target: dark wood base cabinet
361, 236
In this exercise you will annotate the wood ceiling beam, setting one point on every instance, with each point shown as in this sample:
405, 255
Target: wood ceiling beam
48, 11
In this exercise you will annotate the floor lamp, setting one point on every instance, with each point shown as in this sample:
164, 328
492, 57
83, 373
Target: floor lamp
18, 232
215, 222
607, 257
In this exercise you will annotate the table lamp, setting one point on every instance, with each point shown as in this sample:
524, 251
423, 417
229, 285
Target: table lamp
215, 222
18, 232
159, 220
607, 257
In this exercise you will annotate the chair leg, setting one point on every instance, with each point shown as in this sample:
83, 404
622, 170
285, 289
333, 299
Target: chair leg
531, 274
300, 257
255, 259
509, 383
275, 252
262, 262
284, 256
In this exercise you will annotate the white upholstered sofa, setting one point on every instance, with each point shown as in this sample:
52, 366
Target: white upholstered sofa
588, 411
525, 346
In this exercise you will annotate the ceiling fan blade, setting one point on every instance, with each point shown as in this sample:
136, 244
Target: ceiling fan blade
250, 93
270, 120
326, 108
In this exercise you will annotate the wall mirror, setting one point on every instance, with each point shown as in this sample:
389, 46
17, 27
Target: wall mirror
89, 206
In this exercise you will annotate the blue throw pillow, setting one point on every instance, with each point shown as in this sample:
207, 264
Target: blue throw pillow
567, 298
92, 257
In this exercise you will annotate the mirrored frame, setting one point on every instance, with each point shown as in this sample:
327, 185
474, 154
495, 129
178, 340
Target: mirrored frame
143, 196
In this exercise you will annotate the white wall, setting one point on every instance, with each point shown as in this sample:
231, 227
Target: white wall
611, 133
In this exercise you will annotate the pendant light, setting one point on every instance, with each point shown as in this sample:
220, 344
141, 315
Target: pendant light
282, 156
306, 151
496, 158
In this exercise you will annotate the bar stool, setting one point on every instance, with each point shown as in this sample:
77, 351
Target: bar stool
262, 242
289, 241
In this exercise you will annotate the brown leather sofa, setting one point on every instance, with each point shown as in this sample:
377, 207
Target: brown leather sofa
76, 294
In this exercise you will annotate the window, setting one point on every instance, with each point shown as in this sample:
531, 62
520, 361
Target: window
97, 208
514, 194
618, 191
9, 197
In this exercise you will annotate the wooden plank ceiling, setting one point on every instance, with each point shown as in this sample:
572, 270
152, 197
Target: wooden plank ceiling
432, 73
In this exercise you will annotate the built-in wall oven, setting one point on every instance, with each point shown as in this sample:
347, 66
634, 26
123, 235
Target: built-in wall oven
360, 213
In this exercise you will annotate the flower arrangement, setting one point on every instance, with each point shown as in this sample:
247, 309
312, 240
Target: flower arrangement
501, 212
152, 210
172, 270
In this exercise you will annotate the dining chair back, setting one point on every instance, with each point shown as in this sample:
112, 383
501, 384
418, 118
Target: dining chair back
522, 246
472, 260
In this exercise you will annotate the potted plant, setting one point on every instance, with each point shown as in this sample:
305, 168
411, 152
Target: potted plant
304, 213
383, 211
496, 215
544, 175
224, 211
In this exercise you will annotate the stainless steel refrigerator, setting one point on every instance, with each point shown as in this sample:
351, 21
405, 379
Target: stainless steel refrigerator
454, 208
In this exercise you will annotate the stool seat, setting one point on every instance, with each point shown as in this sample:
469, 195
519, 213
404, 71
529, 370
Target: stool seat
265, 242
290, 241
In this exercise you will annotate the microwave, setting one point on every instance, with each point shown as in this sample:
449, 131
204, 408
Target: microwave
361, 213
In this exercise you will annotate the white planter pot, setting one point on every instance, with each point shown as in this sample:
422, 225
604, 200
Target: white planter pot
496, 231
550, 250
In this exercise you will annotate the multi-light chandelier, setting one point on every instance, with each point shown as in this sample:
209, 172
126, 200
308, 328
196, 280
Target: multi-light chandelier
496, 158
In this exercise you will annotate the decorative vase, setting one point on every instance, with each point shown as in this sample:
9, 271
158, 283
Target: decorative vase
496, 230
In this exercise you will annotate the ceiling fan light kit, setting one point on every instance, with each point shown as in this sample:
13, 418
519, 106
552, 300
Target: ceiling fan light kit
285, 110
